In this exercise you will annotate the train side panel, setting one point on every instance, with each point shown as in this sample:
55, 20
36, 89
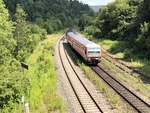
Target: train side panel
81, 49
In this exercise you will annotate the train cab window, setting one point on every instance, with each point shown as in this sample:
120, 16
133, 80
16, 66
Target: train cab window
93, 51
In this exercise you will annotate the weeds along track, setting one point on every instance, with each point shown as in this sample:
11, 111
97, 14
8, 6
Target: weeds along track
87, 102
137, 103
124, 67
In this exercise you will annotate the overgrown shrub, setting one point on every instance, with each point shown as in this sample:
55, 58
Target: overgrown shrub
93, 30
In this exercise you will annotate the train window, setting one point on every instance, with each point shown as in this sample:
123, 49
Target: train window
93, 51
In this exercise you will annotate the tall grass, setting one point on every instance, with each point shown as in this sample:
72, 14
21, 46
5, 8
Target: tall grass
42, 95
133, 81
121, 50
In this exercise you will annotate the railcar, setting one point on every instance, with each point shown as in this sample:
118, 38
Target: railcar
90, 51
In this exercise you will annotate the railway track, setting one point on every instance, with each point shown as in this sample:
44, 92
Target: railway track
86, 100
124, 67
137, 103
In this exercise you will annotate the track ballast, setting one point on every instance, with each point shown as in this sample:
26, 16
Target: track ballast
136, 102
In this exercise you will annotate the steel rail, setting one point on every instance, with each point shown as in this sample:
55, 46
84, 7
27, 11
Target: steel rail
83, 83
121, 64
135, 101
70, 80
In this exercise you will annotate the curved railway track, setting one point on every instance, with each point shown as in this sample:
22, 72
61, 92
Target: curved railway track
85, 99
137, 103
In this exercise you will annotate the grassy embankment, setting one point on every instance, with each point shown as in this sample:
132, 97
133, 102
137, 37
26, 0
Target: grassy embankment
43, 96
121, 51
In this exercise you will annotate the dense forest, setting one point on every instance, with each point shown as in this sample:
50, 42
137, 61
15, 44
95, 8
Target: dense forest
127, 20
52, 15
23, 24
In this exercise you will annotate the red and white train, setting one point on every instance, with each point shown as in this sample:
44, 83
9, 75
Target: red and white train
90, 51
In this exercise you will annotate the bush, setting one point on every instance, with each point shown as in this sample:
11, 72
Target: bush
43, 97
13, 84
143, 40
93, 30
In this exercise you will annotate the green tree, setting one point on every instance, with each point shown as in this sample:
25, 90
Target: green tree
12, 82
114, 19
93, 31
143, 21
66, 12
17, 40
85, 21
7, 43
19, 34
25, 35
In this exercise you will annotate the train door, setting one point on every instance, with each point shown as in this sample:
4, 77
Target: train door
85, 51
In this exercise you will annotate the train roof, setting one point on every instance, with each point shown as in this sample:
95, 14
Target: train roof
82, 40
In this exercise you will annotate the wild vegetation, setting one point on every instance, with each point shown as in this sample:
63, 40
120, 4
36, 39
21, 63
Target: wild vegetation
43, 95
134, 81
23, 25
126, 20
51, 14
14, 48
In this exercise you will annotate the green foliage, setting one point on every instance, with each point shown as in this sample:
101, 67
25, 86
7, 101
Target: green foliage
42, 74
19, 33
7, 42
85, 21
143, 11
32, 35
13, 84
127, 20
17, 40
143, 40
53, 25
51, 14
115, 18
27, 35
92, 30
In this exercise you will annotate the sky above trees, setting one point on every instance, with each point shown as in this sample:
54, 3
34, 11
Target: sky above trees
96, 2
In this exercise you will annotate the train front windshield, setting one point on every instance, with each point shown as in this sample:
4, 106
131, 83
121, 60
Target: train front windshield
93, 52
